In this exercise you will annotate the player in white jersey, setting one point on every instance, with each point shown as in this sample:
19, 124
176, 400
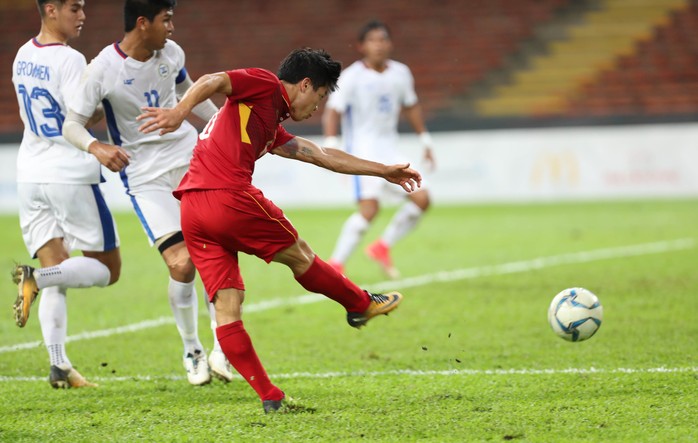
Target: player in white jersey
147, 69
61, 208
371, 94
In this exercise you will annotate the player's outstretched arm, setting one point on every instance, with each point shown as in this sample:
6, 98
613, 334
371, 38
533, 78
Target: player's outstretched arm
336, 160
169, 119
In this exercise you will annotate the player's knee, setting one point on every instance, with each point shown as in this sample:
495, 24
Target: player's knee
114, 273
307, 253
369, 215
182, 269
422, 200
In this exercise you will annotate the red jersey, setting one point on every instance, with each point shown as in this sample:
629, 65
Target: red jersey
244, 129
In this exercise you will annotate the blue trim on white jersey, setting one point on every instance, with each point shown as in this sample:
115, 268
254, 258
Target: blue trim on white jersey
108, 229
111, 122
116, 139
181, 76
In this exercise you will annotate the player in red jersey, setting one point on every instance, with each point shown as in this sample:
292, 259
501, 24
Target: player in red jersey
223, 213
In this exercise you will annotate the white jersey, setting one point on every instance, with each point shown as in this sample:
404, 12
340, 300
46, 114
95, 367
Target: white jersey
124, 85
45, 78
370, 103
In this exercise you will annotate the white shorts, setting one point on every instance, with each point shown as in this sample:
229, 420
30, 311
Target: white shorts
155, 206
368, 187
76, 213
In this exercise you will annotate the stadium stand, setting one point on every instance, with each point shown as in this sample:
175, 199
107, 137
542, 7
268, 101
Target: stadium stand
659, 78
608, 31
473, 60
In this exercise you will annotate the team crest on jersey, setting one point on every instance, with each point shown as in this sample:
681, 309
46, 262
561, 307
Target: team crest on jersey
164, 70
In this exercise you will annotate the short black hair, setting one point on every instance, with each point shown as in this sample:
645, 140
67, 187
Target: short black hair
372, 26
316, 64
144, 8
41, 3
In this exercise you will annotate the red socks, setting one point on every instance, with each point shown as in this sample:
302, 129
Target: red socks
237, 346
324, 279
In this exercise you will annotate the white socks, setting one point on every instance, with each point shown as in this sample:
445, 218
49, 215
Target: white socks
352, 232
404, 220
53, 318
185, 308
75, 272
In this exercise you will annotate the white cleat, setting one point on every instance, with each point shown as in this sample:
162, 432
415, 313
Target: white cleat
198, 372
220, 367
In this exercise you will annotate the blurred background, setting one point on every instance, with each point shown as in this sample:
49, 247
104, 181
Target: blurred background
527, 99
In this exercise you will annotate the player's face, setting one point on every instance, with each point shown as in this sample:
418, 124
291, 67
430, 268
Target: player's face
307, 100
376, 47
70, 17
160, 29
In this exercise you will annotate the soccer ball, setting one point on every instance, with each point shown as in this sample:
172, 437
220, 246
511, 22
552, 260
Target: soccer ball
575, 314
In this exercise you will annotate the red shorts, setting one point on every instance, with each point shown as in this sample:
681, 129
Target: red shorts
218, 223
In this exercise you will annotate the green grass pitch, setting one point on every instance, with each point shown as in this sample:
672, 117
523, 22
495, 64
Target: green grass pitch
469, 355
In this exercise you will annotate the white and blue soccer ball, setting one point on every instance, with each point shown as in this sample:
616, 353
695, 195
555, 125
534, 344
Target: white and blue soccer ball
575, 314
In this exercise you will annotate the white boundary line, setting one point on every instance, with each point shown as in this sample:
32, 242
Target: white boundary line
438, 277
401, 372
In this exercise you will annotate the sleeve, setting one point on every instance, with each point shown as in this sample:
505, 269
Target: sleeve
409, 97
282, 137
71, 73
90, 92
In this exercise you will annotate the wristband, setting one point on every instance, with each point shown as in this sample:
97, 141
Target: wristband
331, 141
77, 135
425, 138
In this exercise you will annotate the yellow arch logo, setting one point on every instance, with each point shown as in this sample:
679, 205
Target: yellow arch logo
555, 168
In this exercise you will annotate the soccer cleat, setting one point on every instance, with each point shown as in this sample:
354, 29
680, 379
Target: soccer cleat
272, 405
68, 378
337, 266
198, 372
379, 251
220, 368
381, 304
27, 290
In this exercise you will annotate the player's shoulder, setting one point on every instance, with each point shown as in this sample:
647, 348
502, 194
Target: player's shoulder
73, 54
398, 67
263, 74
107, 59
354, 68
108, 55
259, 75
352, 73
172, 49
26, 47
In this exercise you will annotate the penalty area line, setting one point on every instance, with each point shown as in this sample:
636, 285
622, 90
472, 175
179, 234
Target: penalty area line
410, 282
399, 372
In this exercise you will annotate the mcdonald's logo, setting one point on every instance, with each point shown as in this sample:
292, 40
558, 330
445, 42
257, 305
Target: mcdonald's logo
556, 169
